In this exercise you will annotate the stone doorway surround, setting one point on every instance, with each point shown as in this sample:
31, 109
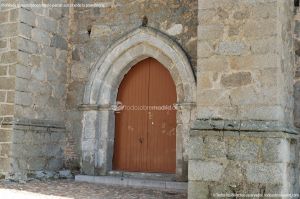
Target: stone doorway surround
102, 88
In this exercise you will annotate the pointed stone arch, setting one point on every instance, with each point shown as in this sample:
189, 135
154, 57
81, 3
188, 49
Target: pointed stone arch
102, 87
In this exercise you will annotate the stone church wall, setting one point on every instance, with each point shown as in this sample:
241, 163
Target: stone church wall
242, 54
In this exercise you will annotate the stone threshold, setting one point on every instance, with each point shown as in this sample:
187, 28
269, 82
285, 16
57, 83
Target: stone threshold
164, 185
142, 175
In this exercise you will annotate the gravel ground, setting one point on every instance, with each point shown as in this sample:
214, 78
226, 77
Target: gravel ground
67, 189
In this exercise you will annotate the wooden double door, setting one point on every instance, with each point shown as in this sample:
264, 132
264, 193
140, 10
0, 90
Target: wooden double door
145, 131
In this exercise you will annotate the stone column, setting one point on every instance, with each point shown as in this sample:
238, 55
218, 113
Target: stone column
33, 49
97, 139
8, 60
243, 141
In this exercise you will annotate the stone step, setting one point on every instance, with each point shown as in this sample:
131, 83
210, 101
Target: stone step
141, 175
134, 182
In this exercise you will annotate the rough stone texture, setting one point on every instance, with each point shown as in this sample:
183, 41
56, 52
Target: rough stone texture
37, 148
32, 86
248, 172
297, 69
235, 60
8, 60
244, 100
198, 190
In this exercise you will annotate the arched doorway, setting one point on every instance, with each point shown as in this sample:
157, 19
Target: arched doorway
145, 130
100, 97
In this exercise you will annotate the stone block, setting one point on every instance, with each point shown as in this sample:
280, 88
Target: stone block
12, 70
258, 61
264, 10
47, 24
265, 173
218, 190
23, 98
13, 43
22, 84
210, 32
79, 72
175, 29
5, 150
6, 109
27, 45
13, 15
231, 48
35, 60
260, 112
215, 147
234, 173
276, 150
9, 57
40, 36
88, 145
8, 30
27, 16
263, 46
243, 150
236, 79
7, 83
3, 43
59, 42
213, 64
3, 71
4, 164
196, 148
100, 31
204, 5
56, 13
204, 80
23, 71
49, 51
241, 15
88, 163
252, 95
39, 73
198, 190
204, 49
24, 30
260, 28
205, 171
23, 58
4, 16
213, 97
10, 98
2, 96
